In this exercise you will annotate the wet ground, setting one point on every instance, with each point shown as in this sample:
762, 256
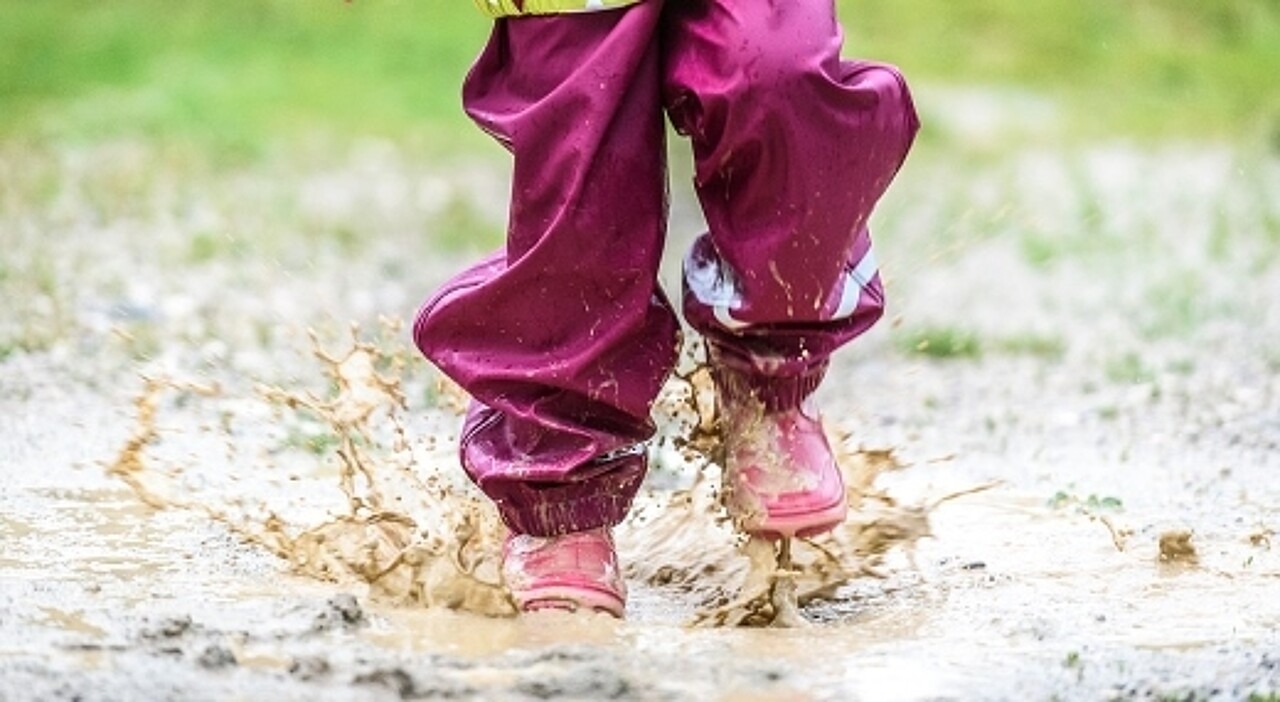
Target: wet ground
1093, 334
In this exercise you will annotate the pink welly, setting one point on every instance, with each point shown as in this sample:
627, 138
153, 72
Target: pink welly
781, 478
577, 571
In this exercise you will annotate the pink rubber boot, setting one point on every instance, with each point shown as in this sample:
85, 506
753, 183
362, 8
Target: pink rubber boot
571, 572
781, 476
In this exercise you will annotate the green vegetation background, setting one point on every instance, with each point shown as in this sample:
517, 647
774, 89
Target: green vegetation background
237, 74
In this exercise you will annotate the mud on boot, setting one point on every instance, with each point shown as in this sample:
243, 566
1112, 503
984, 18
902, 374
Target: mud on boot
781, 477
573, 572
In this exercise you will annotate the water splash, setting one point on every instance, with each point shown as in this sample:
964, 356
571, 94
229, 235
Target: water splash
415, 532
412, 536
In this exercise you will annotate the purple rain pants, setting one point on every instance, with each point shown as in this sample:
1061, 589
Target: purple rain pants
563, 337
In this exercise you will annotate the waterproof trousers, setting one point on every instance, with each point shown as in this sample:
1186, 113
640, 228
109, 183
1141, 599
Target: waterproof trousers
563, 337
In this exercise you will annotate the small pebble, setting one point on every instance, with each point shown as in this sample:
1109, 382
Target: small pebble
216, 656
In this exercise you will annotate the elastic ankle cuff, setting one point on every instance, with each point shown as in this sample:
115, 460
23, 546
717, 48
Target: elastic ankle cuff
776, 392
601, 501
558, 518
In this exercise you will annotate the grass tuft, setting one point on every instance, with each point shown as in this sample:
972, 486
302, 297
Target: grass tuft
941, 343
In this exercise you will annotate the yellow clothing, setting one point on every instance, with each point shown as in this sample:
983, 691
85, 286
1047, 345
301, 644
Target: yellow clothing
513, 8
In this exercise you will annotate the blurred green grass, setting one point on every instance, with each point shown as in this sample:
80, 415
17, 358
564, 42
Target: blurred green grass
238, 74
1144, 67
233, 73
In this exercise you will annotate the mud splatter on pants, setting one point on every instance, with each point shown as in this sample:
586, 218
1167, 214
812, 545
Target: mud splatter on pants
563, 337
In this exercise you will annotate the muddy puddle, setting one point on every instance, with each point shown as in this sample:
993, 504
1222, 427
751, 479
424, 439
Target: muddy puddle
923, 593
155, 593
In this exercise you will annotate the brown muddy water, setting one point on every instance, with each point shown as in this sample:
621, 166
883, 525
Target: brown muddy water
1062, 448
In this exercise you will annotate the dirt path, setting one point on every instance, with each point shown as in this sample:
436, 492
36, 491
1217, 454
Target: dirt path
1095, 331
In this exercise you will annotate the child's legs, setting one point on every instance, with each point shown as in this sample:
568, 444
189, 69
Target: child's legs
563, 337
793, 148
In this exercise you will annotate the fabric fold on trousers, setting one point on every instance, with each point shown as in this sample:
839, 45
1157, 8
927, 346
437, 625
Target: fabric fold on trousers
564, 337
